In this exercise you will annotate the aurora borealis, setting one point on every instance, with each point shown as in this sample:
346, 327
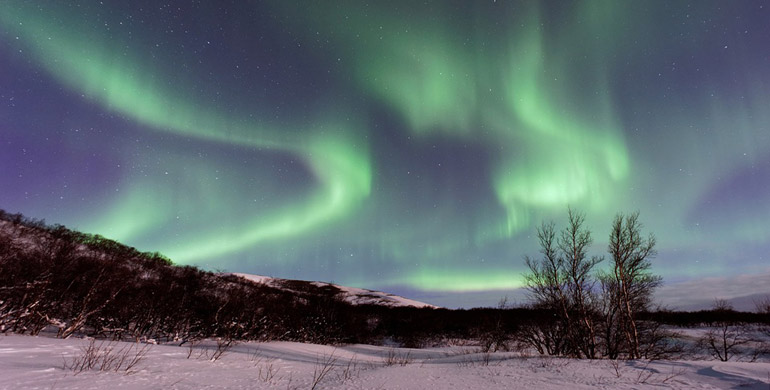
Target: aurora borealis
404, 146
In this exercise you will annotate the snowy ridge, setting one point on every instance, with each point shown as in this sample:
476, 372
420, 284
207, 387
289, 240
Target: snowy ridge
352, 295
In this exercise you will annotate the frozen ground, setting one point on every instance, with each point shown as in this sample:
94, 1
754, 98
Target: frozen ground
38, 363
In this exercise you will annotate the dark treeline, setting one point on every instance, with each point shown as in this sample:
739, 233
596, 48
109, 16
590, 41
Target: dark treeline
53, 278
693, 319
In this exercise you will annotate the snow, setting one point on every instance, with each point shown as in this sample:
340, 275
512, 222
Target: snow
38, 362
257, 278
353, 295
360, 296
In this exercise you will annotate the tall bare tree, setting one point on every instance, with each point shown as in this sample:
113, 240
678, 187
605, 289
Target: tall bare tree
561, 281
547, 284
630, 254
610, 333
573, 245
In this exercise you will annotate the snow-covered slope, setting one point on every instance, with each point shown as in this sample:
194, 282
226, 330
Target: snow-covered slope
353, 295
46, 363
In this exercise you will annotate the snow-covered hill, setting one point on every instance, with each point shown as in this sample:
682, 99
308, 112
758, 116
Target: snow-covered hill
352, 295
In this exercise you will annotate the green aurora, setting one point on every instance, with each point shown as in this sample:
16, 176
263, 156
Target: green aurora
390, 145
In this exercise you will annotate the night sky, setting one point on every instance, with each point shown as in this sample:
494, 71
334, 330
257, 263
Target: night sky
406, 146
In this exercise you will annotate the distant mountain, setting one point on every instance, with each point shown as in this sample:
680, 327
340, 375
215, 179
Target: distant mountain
352, 295
742, 291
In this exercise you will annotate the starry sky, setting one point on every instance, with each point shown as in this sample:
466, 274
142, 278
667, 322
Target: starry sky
406, 146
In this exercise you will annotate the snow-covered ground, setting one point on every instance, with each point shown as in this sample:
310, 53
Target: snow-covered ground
40, 363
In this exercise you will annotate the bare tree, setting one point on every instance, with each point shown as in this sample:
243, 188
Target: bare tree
546, 279
573, 245
545, 334
726, 338
561, 281
493, 335
763, 307
610, 332
634, 284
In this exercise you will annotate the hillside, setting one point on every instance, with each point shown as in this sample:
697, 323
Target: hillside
58, 280
352, 295
76, 283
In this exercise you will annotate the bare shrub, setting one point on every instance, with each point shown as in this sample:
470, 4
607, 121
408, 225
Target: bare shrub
546, 337
726, 338
495, 337
267, 372
485, 358
323, 366
457, 342
725, 342
213, 354
763, 307
643, 374
394, 358
656, 342
256, 356
466, 362
461, 351
673, 374
107, 357
550, 362
350, 371
223, 346
191, 347
615, 365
